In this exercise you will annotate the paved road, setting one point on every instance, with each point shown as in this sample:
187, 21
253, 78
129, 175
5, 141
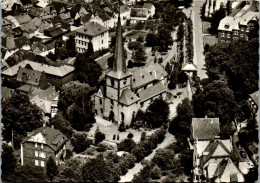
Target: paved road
169, 138
199, 58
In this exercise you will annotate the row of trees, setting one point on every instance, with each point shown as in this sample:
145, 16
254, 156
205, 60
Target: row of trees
189, 41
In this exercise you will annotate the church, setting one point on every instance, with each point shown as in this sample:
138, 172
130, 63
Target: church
126, 92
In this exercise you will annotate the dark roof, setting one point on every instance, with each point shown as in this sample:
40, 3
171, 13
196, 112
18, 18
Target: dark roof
57, 19
20, 42
75, 9
221, 168
92, 29
54, 31
35, 12
54, 138
26, 88
151, 91
128, 97
29, 76
205, 128
58, 6
86, 18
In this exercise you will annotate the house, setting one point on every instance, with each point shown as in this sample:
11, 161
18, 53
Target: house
8, 4
32, 77
39, 48
53, 32
13, 20
125, 13
22, 43
44, 100
93, 32
56, 76
237, 27
23, 19
29, 29
41, 24
49, 11
41, 144
118, 101
216, 159
54, 106
142, 13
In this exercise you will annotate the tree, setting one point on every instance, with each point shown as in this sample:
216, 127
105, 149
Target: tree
143, 136
99, 170
156, 173
139, 55
216, 18
163, 159
80, 142
139, 26
168, 68
62, 124
126, 145
140, 39
154, 117
71, 46
19, 116
51, 169
144, 175
87, 70
216, 100
151, 40
52, 56
8, 160
90, 49
99, 136
182, 122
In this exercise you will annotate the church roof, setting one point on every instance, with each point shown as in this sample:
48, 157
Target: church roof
152, 91
128, 97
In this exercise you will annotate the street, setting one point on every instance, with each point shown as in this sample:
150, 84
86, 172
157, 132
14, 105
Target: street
199, 58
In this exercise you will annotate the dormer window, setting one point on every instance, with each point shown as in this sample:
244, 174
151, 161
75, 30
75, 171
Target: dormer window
226, 26
36, 145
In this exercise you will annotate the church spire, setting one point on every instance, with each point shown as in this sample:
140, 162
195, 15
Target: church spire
119, 64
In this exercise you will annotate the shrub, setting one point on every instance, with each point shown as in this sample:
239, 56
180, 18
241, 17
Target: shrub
143, 136
69, 154
121, 127
99, 136
140, 39
126, 145
102, 147
80, 142
156, 173
130, 135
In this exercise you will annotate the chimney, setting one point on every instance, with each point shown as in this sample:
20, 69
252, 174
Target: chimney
52, 126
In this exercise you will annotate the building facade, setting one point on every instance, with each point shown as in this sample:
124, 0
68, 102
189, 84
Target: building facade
94, 32
41, 144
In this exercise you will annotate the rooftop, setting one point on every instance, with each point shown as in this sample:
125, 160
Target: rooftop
151, 91
92, 29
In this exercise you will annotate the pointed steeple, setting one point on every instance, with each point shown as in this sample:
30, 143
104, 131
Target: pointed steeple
119, 64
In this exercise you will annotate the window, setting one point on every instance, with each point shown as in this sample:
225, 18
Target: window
36, 153
42, 146
36, 145
125, 80
112, 82
42, 154
222, 34
102, 41
247, 38
241, 35
112, 102
100, 101
242, 29
42, 163
228, 35
36, 163
236, 32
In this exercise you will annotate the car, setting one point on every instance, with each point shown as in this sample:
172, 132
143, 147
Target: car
243, 154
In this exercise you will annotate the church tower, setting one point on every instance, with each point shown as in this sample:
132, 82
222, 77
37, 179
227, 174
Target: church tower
117, 79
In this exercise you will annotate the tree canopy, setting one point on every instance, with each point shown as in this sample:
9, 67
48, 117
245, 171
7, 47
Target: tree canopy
216, 100
237, 62
19, 116
51, 168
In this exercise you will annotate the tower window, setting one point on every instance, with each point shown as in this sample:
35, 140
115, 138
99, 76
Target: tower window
125, 82
112, 102
100, 101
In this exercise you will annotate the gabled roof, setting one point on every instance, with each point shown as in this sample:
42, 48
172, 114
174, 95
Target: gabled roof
28, 27
26, 88
6, 92
147, 75
57, 19
254, 96
151, 91
128, 97
29, 76
189, 67
54, 31
44, 99
9, 43
65, 16
205, 128
5, 22
51, 137
92, 29
86, 18
20, 42
58, 6
148, 5
24, 18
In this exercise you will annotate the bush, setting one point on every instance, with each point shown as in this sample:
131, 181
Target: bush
156, 173
143, 136
80, 142
140, 39
99, 136
130, 135
102, 147
126, 145
121, 127
69, 154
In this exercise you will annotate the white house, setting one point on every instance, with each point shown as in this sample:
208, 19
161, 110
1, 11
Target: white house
93, 32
